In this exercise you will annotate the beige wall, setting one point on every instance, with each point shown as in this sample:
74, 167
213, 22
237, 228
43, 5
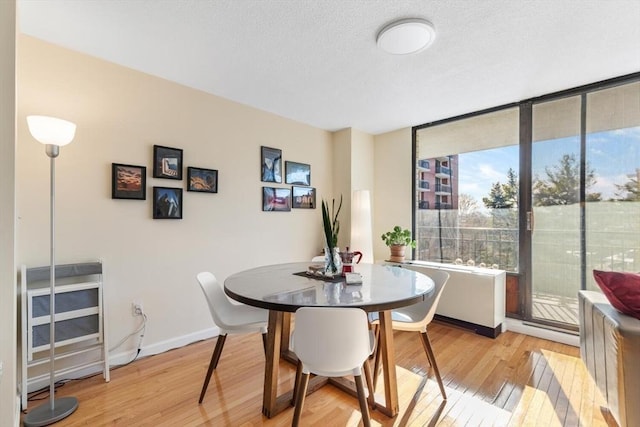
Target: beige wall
8, 327
393, 175
382, 165
362, 163
120, 115
362, 178
353, 162
7, 213
341, 166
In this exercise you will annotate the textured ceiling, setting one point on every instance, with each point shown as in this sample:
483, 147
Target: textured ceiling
316, 61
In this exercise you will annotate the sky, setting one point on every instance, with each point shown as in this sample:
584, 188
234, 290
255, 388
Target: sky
611, 154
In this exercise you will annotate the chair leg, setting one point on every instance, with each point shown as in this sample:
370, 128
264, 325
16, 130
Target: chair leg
215, 357
264, 342
302, 391
432, 360
376, 331
370, 386
377, 361
362, 399
296, 384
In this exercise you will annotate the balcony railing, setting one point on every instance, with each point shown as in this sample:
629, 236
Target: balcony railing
481, 244
424, 164
442, 188
423, 185
423, 204
439, 205
443, 170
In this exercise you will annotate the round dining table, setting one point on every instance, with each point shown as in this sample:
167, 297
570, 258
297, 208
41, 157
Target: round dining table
283, 288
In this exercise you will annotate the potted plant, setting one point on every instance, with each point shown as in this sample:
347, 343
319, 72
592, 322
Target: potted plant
398, 239
331, 227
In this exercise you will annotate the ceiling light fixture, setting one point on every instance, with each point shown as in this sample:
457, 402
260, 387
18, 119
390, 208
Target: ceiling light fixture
406, 36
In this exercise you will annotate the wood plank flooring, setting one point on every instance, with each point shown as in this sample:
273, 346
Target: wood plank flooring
514, 380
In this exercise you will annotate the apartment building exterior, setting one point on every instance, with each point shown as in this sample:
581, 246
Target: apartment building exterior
437, 183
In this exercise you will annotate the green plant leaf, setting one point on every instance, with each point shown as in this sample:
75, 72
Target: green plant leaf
330, 223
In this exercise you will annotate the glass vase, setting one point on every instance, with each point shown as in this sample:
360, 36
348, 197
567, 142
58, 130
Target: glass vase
332, 262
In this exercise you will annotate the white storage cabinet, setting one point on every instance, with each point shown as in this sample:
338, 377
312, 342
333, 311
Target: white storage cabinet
79, 322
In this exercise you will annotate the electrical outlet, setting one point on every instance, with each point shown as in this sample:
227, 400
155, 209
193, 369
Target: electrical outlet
136, 308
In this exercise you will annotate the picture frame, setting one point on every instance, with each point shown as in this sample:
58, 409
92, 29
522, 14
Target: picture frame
271, 164
303, 197
167, 162
128, 181
297, 173
276, 199
167, 203
202, 180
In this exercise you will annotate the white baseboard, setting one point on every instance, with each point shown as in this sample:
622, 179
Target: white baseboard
41, 381
162, 346
520, 327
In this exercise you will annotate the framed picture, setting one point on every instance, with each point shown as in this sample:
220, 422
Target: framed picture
297, 173
271, 161
167, 203
303, 197
128, 182
202, 180
276, 199
167, 162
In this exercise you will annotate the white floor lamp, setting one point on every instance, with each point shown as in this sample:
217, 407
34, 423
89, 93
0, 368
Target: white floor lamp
54, 133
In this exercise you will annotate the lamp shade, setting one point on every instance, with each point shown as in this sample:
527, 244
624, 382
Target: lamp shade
51, 130
361, 232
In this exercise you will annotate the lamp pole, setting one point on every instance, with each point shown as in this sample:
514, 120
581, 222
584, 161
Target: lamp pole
52, 152
54, 133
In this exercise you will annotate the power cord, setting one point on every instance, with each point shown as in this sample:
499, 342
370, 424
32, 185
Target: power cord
141, 329
34, 395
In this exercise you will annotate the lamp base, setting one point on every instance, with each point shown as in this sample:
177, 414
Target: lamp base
43, 415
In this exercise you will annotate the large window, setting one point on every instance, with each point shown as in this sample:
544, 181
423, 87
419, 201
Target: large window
612, 211
467, 191
573, 158
555, 249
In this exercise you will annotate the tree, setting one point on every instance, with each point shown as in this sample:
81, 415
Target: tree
469, 213
503, 196
467, 205
630, 191
511, 189
562, 184
496, 199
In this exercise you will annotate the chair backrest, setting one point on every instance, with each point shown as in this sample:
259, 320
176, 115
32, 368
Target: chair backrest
426, 309
331, 340
219, 305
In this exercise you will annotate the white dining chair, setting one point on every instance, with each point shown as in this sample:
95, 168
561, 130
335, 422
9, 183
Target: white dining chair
417, 317
331, 342
230, 319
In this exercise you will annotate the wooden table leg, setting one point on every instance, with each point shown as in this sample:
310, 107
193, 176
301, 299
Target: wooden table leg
286, 333
272, 363
279, 327
387, 354
277, 347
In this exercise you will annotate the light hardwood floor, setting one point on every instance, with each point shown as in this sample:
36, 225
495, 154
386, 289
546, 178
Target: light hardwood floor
514, 380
